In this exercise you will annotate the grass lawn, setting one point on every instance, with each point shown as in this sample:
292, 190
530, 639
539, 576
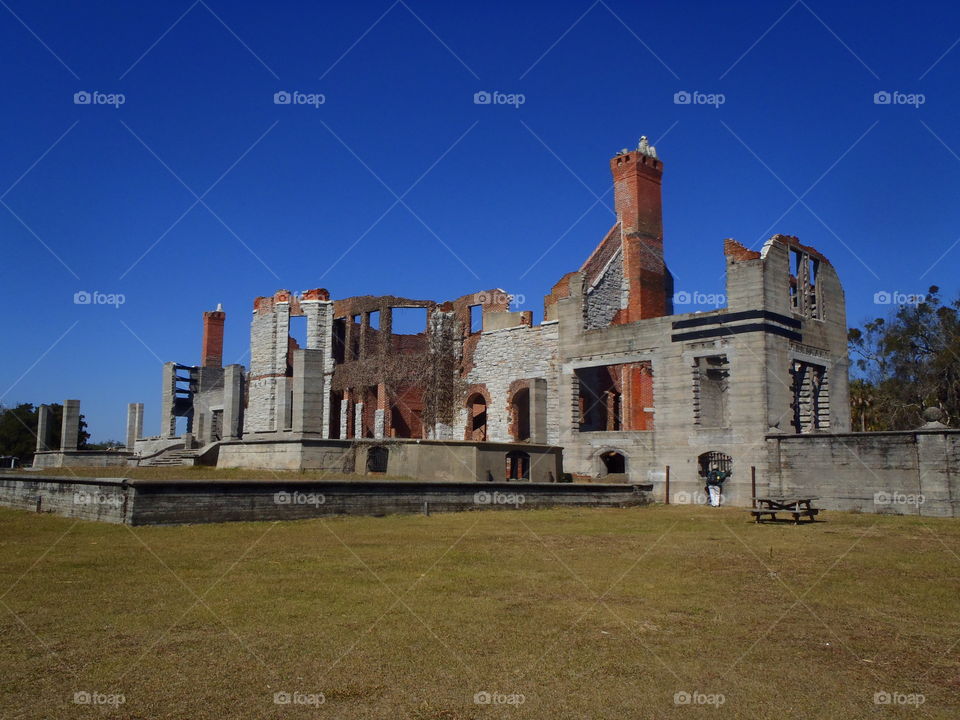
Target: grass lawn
579, 613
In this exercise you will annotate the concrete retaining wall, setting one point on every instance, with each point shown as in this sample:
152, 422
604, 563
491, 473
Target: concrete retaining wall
103, 499
166, 502
904, 473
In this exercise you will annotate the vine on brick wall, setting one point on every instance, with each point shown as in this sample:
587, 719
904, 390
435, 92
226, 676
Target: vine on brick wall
435, 370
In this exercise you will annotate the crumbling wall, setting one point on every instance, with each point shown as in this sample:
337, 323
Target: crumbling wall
607, 295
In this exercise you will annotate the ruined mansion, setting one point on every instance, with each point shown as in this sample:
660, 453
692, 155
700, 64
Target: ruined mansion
612, 376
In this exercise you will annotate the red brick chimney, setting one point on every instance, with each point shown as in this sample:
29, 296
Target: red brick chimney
637, 178
211, 354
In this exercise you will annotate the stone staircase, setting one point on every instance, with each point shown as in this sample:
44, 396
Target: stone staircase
169, 458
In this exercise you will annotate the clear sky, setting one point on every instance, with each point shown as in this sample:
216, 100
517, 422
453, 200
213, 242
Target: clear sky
199, 189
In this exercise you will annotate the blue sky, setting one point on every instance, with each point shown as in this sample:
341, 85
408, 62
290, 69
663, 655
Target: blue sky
104, 197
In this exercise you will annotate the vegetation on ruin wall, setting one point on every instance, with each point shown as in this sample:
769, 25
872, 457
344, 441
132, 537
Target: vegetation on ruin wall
905, 363
435, 371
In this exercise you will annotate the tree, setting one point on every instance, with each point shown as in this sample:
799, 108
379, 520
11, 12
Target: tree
907, 362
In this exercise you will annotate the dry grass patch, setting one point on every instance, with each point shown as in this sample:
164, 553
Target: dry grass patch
598, 613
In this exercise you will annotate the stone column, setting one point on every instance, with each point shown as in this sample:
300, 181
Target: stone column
232, 401
345, 414
168, 421
70, 429
284, 412
308, 391
134, 424
358, 419
538, 410
380, 414
43, 428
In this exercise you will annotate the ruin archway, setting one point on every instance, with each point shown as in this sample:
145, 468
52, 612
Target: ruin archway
476, 417
714, 460
613, 462
520, 415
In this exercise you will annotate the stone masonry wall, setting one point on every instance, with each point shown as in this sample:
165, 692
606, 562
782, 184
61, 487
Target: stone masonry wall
607, 296
504, 356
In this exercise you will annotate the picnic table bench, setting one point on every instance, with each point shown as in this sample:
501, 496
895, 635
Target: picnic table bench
798, 508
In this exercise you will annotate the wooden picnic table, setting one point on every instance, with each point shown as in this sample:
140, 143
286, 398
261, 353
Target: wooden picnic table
797, 507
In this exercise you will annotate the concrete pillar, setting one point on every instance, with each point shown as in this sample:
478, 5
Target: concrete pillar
284, 414
200, 427
43, 428
538, 410
308, 391
358, 419
70, 429
134, 424
232, 401
168, 421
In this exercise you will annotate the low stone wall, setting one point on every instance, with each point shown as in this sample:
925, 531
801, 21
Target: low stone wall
103, 499
82, 458
166, 502
904, 473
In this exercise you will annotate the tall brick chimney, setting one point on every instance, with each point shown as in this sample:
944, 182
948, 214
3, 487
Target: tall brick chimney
637, 176
211, 354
